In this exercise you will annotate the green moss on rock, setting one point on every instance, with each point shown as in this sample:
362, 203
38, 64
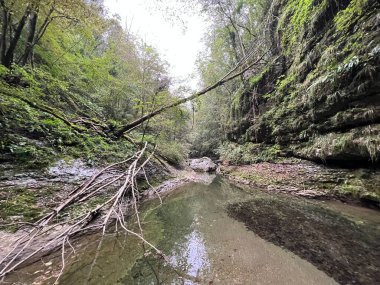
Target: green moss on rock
21, 204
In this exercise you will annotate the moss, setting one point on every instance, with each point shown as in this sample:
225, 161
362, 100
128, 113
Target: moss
294, 17
286, 83
3, 70
351, 189
253, 81
21, 202
32, 138
345, 18
360, 189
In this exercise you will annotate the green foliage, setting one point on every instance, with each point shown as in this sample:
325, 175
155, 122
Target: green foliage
254, 80
351, 14
21, 202
299, 13
174, 152
236, 154
235, 28
293, 19
3, 70
286, 83
248, 153
86, 75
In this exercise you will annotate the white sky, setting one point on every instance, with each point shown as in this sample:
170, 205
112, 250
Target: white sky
178, 46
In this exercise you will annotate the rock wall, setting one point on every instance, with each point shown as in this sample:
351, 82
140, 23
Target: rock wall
319, 98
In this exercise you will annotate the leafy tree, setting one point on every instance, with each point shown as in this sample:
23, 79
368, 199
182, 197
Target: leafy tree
70, 60
24, 23
236, 30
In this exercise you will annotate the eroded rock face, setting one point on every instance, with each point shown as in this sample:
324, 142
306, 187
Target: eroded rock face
320, 100
204, 164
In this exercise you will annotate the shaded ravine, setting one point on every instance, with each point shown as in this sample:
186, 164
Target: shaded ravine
202, 240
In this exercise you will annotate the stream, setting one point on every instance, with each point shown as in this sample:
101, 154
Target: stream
202, 230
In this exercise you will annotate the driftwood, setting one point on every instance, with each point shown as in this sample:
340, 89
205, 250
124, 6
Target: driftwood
112, 210
124, 195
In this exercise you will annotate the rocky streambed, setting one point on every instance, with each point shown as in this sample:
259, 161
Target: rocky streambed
338, 239
348, 249
202, 230
344, 245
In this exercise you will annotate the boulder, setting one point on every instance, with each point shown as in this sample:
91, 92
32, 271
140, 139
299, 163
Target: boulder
204, 164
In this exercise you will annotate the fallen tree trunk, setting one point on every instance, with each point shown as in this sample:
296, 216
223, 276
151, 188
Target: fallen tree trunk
119, 133
122, 193
46, 109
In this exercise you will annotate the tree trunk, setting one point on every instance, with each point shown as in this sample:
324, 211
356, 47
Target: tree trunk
30, 38
119, 133
8, 59
4, 28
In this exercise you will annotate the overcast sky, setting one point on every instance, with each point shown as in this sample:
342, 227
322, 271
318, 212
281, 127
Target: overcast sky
179, 46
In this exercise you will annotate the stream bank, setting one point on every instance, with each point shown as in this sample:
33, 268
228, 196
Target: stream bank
25, 196
307, 179
197, 228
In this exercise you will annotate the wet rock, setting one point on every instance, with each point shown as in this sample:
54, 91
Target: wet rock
72, 170
204, 164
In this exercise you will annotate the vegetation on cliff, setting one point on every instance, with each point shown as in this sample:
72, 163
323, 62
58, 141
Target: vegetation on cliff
72, 78
315, 97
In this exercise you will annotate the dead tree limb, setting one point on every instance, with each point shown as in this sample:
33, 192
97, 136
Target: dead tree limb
229, 76
47, 110
118, 198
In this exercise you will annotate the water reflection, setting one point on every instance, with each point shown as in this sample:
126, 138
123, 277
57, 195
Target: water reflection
192, 256
202, 242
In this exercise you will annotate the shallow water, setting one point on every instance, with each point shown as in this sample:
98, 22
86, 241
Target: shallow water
203, 243
357, 214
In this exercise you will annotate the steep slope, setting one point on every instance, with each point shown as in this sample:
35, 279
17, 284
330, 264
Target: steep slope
319, 97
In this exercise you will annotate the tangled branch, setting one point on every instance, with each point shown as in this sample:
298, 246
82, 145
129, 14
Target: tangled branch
124, 194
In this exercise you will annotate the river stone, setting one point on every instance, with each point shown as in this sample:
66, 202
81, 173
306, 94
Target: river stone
203, 164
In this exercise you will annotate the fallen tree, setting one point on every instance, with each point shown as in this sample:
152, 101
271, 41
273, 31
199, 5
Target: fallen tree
237, 71
83, 124
53, 232
122, 193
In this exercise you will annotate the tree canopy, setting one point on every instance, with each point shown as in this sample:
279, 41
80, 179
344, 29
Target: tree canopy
85, 68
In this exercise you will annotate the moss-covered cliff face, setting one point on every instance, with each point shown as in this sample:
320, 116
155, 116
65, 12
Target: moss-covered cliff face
320, 97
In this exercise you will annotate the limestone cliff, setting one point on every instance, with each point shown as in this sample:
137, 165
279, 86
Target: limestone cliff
319, 97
